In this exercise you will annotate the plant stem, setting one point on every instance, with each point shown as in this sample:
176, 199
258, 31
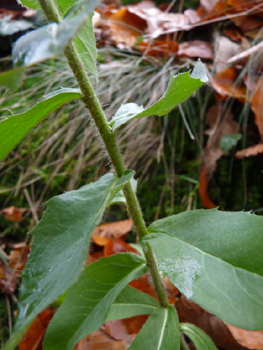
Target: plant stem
92, 103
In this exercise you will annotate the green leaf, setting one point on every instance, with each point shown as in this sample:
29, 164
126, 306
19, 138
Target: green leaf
88, 302
180, 88
60, 246
200, 339
214, 258
85, 44
50, 40
131, 302
160, 332
15, 127
228, 141
11, 79
65, 5
120, 196
33, 4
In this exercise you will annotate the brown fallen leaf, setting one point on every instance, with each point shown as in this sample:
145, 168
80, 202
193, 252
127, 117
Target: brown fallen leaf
115, 246
18, 258
158, 48
7, 279
225, 84
225, 50
190, 312
134, 324
248, 23
100, 340
126, 27
196, 48
94, 257
250, 339
13, 213
32, 339
144, 286
118, 229
250, 151
116, 329
233, 34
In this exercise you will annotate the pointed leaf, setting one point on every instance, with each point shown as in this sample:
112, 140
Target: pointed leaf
180, 88
88, 302
60, 246
214, 258
200, 339
15, 127
50, 40
85, 44
131, 302
160, 332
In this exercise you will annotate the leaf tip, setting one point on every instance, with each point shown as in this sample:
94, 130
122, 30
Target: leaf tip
199, 72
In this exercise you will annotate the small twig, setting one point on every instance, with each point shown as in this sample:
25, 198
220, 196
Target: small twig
32, 207
246, 53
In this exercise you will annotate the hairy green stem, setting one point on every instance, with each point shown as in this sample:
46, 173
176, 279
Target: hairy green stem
92, 103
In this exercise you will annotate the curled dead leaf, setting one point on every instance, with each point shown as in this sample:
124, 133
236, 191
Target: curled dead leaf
250, 151
104, 232
126, 27
225, 83
196, 48
13, 213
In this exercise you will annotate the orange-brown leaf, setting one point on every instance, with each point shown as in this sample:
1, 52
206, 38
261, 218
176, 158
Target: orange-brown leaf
117, 229
126, 27
158, 48
225, 83
35, 334
250, 339
250, 151
115, 246
14, 214
18, 258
